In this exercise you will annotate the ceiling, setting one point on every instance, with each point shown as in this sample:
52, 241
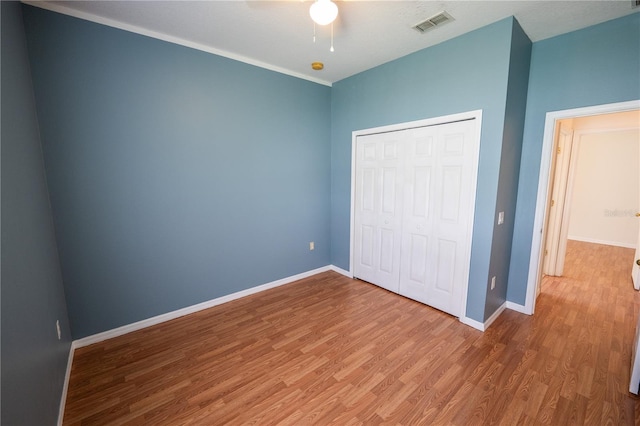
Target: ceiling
278, 35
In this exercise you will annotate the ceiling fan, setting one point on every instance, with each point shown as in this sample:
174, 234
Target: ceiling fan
322, 12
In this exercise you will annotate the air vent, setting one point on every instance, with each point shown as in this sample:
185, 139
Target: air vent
435, 21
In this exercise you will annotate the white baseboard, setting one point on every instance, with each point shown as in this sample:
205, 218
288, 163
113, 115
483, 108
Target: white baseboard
518, 308
472, 323
605, 242
109, 334
483, 326
65, 387
341, 271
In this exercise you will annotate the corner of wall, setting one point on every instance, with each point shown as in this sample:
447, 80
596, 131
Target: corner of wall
510, 156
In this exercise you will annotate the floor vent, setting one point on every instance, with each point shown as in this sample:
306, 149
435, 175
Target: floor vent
435, 21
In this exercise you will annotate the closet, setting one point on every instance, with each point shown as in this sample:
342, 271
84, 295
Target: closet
414, 197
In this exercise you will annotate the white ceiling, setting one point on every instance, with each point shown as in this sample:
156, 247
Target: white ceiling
278, 34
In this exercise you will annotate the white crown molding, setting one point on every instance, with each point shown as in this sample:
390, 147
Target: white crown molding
54, 7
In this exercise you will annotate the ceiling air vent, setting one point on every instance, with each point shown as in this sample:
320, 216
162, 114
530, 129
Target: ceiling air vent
435, 21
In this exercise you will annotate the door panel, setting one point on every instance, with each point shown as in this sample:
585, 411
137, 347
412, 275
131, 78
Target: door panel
445, 271
450, 193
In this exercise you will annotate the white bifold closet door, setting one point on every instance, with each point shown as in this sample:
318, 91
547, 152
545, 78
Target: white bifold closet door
414, 195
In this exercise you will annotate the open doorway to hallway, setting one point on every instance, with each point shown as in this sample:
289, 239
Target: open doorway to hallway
595, 185
590, 121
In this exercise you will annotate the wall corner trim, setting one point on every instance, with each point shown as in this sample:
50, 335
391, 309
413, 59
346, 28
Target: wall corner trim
483, 326
340, 271
518, 308
99, 337
65, 387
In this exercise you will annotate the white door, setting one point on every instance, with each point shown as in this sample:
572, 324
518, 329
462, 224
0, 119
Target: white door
438, 201
559, 205
414, 198
378, 204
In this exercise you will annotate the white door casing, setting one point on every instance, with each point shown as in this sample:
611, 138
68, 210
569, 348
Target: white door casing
635, 268
433, 206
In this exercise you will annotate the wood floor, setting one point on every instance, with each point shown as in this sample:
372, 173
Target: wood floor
331, 350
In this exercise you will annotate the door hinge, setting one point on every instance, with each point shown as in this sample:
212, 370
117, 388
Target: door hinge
553, 203
546, 252
559, 150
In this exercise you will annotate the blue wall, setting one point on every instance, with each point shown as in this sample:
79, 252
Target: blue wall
33, 359
509, 167
176, 176
594, 66
467, 73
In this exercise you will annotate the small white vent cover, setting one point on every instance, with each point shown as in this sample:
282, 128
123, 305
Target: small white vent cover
435, 21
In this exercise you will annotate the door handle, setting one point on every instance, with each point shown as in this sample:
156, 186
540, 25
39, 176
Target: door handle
638, 262
637, 214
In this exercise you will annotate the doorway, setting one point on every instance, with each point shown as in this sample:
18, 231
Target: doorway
553, 191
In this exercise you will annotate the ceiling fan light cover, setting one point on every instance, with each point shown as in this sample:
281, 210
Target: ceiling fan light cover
323, 12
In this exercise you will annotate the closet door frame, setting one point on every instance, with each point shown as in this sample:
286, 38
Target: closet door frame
469, 115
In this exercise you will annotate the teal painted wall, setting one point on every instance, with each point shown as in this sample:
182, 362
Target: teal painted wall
514, 115
34, 361
594, 66
176, 176
467, 73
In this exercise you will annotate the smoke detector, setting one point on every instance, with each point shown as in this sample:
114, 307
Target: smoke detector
435, 21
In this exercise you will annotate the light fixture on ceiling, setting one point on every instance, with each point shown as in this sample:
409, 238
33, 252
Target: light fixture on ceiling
323, 12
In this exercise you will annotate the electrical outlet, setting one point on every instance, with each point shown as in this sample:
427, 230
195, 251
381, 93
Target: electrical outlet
500, 218
312, 245
493, 283
58, 329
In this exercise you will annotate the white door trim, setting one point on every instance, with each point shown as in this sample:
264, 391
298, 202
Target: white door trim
469, 115
544, 181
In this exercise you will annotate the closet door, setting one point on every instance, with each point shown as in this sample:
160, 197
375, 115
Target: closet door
438, 201
378, 204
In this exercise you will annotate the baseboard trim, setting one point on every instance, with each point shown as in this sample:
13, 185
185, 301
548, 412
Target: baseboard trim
109, 334
483, 326
341, 271
604, 242
472, 323
518, 308
65, 386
